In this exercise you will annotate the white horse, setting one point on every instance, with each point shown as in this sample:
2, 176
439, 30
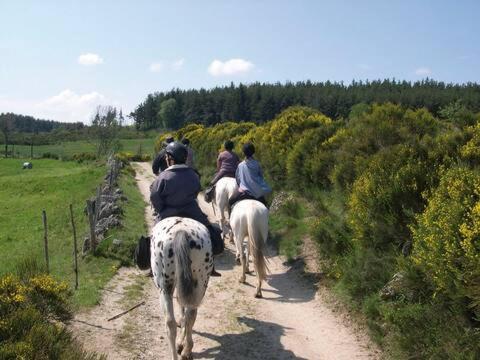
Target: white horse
181, 259
249, 221
224, 189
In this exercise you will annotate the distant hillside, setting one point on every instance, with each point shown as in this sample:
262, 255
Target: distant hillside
29, 124
262, 102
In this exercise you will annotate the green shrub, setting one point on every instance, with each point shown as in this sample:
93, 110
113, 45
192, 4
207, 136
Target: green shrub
369, 132
275, 139
365, 271
428, 331
49, 155
84, 156
446, 239
331, 234
309, 162
28, 306
386, 197
126, 157
291, 207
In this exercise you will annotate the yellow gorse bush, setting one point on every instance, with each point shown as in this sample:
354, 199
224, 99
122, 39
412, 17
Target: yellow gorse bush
447, 238
15, 292
48, 284
12, 291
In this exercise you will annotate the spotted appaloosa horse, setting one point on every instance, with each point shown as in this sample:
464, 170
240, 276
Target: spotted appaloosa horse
224, 189
249, 221
181, 259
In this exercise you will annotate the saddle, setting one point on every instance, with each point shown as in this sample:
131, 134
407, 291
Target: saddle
245, 196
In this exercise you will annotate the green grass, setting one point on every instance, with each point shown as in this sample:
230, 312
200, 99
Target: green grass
67, 149
52, 185
288, 227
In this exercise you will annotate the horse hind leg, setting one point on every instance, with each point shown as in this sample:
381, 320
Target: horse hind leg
258, 293
170, 323
181, 324
248, 251
190, 317
240, 257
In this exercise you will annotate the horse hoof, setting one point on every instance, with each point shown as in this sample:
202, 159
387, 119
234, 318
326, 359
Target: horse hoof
258, 296
179, 349
187, 357
237, 261
242, 280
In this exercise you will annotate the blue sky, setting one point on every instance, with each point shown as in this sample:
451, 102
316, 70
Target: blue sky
60, 59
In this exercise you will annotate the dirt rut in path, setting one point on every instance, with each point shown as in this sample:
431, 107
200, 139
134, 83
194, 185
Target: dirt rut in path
290, 322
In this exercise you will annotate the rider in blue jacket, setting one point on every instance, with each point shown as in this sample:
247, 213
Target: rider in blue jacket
249, 175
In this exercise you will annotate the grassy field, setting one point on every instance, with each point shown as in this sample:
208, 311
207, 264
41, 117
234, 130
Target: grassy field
67, 149
52, 185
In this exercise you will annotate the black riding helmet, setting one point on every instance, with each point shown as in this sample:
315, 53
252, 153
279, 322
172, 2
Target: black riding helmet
228, 145
248, 149
177, 151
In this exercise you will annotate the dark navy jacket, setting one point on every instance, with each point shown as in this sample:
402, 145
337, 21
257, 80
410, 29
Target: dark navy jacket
174, 193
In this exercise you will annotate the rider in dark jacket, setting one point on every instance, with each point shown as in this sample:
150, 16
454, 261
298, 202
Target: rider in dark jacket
174, 193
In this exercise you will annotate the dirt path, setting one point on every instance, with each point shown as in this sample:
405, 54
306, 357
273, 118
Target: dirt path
290, 322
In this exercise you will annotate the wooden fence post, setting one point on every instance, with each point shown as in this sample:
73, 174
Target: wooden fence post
45, 239
91, 221
75, 251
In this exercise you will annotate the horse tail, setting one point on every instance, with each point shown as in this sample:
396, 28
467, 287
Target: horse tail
185, 283
257, 223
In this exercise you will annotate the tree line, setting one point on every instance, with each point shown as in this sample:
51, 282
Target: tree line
29, 124
261, 102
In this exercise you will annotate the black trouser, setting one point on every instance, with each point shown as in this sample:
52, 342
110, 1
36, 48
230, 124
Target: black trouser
221, 174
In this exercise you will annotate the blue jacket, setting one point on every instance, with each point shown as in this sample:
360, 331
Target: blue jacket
250, 179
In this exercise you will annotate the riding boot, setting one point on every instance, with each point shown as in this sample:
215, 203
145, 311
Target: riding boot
216, 239
214, 272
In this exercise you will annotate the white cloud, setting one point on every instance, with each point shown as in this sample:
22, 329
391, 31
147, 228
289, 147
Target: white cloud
230, 67
178, 64
157, 67
423, 71
70, 107
67, 106
90, 59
